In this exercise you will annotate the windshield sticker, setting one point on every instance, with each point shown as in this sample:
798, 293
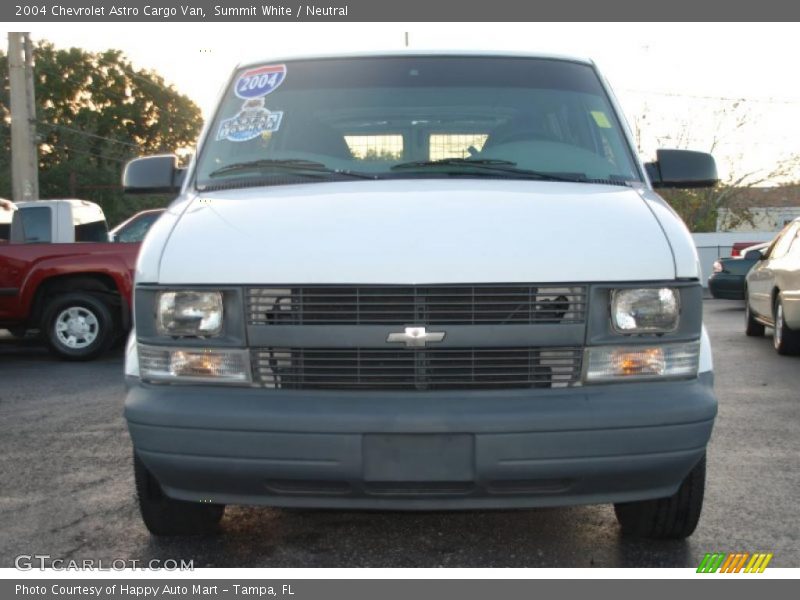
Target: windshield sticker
260, 81
601, 119
253, 120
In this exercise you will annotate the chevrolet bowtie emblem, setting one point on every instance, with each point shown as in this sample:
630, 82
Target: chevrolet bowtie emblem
416, 337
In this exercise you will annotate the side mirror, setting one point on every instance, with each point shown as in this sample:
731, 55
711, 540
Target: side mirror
157, 174
682, 169
753, 255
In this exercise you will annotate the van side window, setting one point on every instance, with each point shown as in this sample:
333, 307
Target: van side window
382, 146
455, 145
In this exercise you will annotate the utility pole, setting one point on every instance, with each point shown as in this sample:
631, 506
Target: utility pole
24, 155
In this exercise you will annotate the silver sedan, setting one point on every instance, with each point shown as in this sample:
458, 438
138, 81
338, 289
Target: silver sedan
772, 291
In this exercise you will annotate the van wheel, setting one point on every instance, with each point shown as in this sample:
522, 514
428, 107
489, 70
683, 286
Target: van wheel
675, 517
752, 327
78, 326
784, 339
164, 516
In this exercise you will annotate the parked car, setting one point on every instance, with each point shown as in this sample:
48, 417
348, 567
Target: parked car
772, 293
373, 292
135, 228
727, 280
739, 248
60, 275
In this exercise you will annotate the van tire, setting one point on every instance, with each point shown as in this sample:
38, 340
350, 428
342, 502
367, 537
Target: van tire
164, 516
90, 311
671, 518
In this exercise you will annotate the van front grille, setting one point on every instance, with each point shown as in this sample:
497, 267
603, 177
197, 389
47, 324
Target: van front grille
421, 305
421, 369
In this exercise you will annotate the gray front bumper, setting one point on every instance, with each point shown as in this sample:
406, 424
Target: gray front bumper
422, 450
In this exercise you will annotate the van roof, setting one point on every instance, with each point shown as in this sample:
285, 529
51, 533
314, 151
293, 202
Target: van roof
414, 53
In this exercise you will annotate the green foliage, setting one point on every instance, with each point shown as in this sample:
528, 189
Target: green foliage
726, 124
94, 112
699, 208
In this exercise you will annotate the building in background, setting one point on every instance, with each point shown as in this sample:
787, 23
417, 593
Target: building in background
761, 209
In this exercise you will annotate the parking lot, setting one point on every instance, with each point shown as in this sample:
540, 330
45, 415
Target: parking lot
66, 485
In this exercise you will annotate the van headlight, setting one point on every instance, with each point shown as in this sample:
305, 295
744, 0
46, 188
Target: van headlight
632, 363
645, 310
187, 313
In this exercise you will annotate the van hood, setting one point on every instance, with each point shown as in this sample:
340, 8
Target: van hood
419, 231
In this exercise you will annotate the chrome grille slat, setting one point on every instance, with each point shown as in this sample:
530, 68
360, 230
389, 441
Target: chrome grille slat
386, 304
377, 368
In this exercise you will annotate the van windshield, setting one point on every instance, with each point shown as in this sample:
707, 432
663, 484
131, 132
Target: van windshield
401, 117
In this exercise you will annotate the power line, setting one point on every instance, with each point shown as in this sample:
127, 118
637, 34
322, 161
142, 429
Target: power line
702, 97
145, 79
86, 133
103, 156
80, 132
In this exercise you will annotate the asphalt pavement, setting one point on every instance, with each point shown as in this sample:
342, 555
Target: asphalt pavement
66, 484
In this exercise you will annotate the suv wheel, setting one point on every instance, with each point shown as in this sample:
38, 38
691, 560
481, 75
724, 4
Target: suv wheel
675, 517
752, 327
164, 516
78, 326
784, 339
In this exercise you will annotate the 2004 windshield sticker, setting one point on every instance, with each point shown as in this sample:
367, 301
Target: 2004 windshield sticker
258, 82
254, 119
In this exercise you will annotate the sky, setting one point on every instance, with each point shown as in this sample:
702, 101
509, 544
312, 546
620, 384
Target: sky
676, 82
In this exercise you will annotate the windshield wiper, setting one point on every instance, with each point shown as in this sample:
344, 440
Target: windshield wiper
297, 166
486, 165
446, 162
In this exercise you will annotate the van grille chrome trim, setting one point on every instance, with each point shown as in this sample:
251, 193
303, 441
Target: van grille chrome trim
419, 368
483, 304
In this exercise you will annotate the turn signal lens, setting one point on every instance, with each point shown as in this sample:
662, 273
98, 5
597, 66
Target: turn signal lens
649, 360
194, 364
618, 363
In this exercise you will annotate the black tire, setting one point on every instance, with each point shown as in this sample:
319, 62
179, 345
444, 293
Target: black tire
103, 326
675, 517
164, 516
784, 340
752, 328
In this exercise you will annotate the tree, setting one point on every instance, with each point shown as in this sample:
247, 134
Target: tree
94, 112
700, 208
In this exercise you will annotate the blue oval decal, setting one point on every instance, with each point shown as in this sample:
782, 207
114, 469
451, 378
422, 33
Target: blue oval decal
259, 81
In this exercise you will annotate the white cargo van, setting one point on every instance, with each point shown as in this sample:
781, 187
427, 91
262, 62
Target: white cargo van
419, 281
